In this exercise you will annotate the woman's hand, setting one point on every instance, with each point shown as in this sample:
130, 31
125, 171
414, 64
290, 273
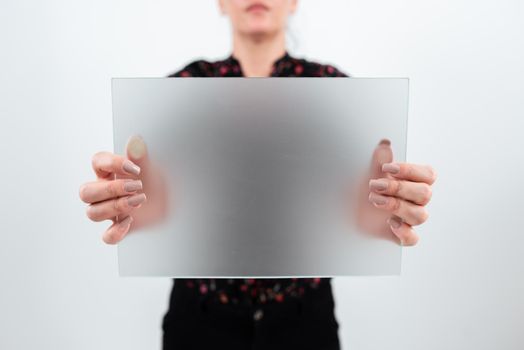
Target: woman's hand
397, 194
119, 193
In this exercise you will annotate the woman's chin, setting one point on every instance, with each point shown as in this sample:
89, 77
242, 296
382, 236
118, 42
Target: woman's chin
260, 31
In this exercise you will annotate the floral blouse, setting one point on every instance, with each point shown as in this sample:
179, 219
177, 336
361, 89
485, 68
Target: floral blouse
254, 291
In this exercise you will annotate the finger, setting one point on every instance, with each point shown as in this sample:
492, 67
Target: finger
106, 164
411, 172
404, 232
109, 209
416, 192
382, 154
98, 191
410, 213
116, 232
136, 150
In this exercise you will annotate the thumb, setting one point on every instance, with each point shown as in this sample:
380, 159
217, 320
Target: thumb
383, 153
136, 150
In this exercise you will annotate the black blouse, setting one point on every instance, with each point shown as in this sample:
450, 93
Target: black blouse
285, 66
254, 291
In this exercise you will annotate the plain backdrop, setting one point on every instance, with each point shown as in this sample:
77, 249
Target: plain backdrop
462, 287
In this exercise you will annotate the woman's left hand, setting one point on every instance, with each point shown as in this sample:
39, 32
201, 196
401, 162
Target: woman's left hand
403, 192
392, 196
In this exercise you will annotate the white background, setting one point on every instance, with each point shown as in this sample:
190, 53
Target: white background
462, 287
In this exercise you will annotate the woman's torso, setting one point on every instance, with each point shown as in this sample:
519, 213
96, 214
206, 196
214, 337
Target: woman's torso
254, 291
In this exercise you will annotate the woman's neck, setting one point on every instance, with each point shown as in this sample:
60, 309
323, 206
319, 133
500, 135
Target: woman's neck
257, 55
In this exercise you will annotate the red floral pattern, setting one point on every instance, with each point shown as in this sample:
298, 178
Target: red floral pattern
254, 291
285, 66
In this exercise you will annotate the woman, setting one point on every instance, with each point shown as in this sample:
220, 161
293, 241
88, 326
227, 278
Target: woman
249, 314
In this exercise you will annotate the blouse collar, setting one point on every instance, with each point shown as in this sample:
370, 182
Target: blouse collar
277, 65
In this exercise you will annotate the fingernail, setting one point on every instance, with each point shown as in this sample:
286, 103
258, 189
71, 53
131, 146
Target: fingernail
136, 147
392, 168
378, 199
136, 200
125, 222
133, 185
131, 167
378, 185
394, 222
385, 142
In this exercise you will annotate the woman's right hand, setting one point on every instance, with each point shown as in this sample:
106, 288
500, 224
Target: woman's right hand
119, 193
